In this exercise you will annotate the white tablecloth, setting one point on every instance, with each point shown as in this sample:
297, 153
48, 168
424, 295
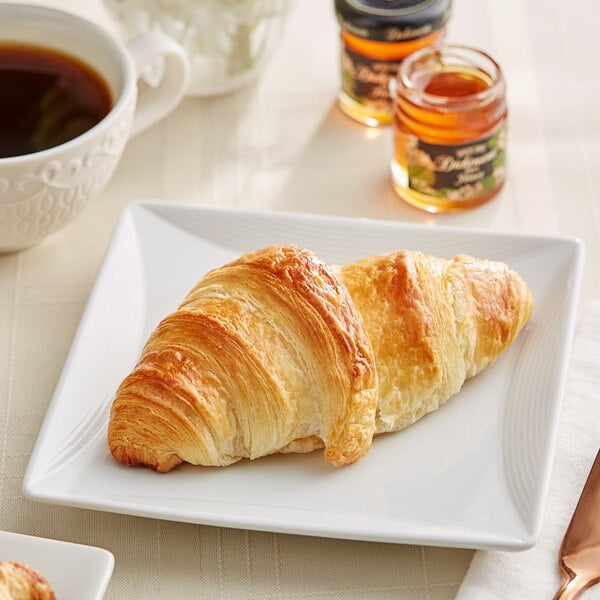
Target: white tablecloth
283, 145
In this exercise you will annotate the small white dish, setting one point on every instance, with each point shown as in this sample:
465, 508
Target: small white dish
472, 474
74, 571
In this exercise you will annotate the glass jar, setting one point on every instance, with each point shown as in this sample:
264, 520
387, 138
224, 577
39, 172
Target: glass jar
449, 129
228, 42
376, 35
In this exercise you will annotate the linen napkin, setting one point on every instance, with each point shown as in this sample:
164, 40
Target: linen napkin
533, 574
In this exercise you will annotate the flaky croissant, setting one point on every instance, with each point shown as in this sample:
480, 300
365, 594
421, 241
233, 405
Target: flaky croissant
278, 351
19, 581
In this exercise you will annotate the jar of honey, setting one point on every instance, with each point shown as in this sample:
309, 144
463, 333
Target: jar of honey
449, 129
376, 35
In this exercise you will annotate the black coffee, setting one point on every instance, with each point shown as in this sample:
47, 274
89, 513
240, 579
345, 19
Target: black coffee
46, 98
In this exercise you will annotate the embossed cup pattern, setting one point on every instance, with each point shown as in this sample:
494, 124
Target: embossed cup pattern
41, 192
52, 192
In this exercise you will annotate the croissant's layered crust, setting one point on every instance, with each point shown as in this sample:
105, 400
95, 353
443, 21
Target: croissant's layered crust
280, 352
433, 323
266, 353
19, 581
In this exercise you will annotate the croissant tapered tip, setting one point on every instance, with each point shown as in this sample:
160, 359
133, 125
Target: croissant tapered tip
137, 456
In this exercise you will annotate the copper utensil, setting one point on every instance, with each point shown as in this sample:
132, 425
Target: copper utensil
579, 555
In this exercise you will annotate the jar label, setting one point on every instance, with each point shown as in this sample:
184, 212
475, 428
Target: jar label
458, 172
367, 81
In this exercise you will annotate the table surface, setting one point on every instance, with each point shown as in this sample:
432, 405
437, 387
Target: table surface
282, 144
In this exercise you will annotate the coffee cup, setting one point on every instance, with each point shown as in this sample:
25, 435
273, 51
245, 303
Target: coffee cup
53, 161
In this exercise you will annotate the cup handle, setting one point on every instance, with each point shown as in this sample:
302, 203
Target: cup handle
156, 101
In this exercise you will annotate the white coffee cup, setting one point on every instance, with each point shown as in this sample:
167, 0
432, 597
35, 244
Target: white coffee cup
43, 191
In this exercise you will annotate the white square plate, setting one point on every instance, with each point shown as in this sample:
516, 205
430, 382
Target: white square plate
472, 474
73, 571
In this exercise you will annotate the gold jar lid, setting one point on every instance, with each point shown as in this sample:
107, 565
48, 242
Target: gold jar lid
392, 20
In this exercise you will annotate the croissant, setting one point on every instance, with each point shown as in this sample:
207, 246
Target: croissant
19, 581
278, 351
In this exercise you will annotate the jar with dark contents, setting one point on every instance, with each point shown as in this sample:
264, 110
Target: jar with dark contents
449, 129
376, 35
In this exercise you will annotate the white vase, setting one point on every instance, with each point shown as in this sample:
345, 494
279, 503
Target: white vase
227, 42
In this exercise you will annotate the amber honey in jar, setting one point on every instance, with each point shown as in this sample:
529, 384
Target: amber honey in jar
449, 129
376, 35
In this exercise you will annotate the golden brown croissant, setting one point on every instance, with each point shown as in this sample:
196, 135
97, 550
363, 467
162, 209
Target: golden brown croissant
19, 581
279, 352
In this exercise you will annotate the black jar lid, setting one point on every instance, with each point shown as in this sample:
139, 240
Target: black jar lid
392, 20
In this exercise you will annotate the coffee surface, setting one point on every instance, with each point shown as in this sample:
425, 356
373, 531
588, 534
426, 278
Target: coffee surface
46, 98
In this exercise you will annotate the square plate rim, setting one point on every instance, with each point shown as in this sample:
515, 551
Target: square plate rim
525, 541
151, 204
